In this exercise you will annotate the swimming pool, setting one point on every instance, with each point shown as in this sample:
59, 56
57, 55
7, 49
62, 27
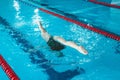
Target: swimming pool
29, 56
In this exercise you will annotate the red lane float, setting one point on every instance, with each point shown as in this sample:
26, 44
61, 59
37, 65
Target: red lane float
8, 70
105, 4
107, 34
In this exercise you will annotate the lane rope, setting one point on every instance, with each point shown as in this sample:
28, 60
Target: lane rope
105, 33
105, 4
8, 70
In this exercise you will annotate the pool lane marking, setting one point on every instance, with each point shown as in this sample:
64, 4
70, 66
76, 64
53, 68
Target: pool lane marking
110, 35
105, 4
105, 33
8, 70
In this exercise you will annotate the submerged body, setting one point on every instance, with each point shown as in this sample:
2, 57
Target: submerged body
54, 45
57, 43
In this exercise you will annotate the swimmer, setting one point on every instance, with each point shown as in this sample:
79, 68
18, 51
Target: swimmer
57, 43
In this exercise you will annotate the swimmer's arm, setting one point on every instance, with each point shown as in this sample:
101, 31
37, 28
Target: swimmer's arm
39, 23
41, 27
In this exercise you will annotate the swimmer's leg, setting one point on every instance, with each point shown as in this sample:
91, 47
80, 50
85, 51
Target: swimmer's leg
71, 44
45, 35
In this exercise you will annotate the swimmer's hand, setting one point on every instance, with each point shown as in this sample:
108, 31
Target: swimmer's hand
82, 50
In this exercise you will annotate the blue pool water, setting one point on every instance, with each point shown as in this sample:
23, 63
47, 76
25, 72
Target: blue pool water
30, 57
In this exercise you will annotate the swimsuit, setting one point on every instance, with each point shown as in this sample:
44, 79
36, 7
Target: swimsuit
55, 45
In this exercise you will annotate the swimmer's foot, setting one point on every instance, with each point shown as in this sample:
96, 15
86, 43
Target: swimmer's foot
82, 50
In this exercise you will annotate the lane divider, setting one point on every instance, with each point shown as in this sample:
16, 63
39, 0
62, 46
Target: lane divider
105, 33
105, 4
8, 70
